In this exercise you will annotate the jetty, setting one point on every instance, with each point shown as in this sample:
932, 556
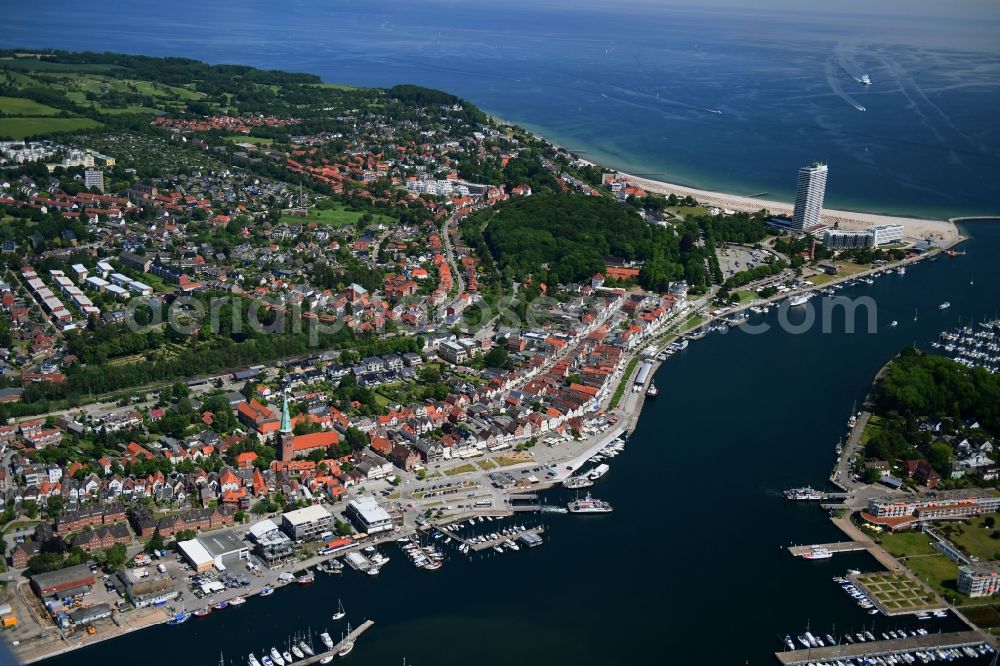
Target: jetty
944, 641
838, 547
350, 638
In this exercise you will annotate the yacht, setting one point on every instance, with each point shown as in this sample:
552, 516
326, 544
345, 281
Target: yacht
901, 270
944, 306
306, 578
326, 660
326, 640
894, 324
266, 661
276, 657
578, 482
297, 651
865, 80
287, 657
252, 660
340, 611
267, 591
305, 648
589, 505
598, 472
237, 601
818, 554
800, 299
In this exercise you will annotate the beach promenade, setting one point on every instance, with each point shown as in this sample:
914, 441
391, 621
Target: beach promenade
942, 232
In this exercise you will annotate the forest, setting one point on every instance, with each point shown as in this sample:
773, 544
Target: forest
563, 238
917, 385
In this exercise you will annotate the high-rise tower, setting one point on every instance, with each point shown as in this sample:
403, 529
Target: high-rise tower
809, 191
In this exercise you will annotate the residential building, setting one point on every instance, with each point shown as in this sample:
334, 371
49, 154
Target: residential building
307, 523
809, 191
979, 580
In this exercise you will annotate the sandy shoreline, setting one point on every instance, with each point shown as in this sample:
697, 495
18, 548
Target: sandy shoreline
941, 232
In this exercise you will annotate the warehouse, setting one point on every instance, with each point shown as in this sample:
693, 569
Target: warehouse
63, 583
196, 555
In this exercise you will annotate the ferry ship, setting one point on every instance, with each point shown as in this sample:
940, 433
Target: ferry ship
806, 494
865, 80
588, 505
652, 391
818, 554
575, 482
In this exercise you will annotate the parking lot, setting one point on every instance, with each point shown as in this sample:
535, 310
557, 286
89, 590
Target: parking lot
733, 259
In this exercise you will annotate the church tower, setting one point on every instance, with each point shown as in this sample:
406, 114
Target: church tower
286, 438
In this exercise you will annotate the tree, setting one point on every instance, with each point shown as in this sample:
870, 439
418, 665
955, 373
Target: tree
872, 475
155, 542
115, 557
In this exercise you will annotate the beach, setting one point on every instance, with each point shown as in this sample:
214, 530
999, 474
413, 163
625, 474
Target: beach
941, 232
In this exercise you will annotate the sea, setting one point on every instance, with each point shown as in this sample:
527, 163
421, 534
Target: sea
724, 95
691, 567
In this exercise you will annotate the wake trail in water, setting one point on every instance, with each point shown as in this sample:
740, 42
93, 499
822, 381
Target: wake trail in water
838, 90
662, 100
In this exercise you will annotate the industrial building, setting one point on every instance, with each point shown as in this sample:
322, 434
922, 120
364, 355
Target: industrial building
63, 583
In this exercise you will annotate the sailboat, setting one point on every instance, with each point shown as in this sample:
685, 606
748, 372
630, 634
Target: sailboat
339, 615
914, 314
972, 280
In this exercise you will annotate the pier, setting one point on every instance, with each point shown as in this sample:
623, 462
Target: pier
477, 547
956, 639
838, 547
350, 638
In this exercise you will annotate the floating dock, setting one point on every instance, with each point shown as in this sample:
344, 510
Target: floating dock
957, 639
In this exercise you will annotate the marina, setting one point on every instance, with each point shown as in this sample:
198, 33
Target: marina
941, 646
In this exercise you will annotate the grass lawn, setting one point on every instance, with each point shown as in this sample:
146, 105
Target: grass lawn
339, 216
684, 211
507, 462
896, 591
746, 296
255, 140
905, 544
18, 128
937, 571
461, 469
19, 106
625, 382
822, 279
692, 323
486, 464
974, 539
849, 268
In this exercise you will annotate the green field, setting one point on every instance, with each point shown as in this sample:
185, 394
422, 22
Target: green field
19, 106
973, 539
331, 217
906, 544
256, 140
18, 128
937, 571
